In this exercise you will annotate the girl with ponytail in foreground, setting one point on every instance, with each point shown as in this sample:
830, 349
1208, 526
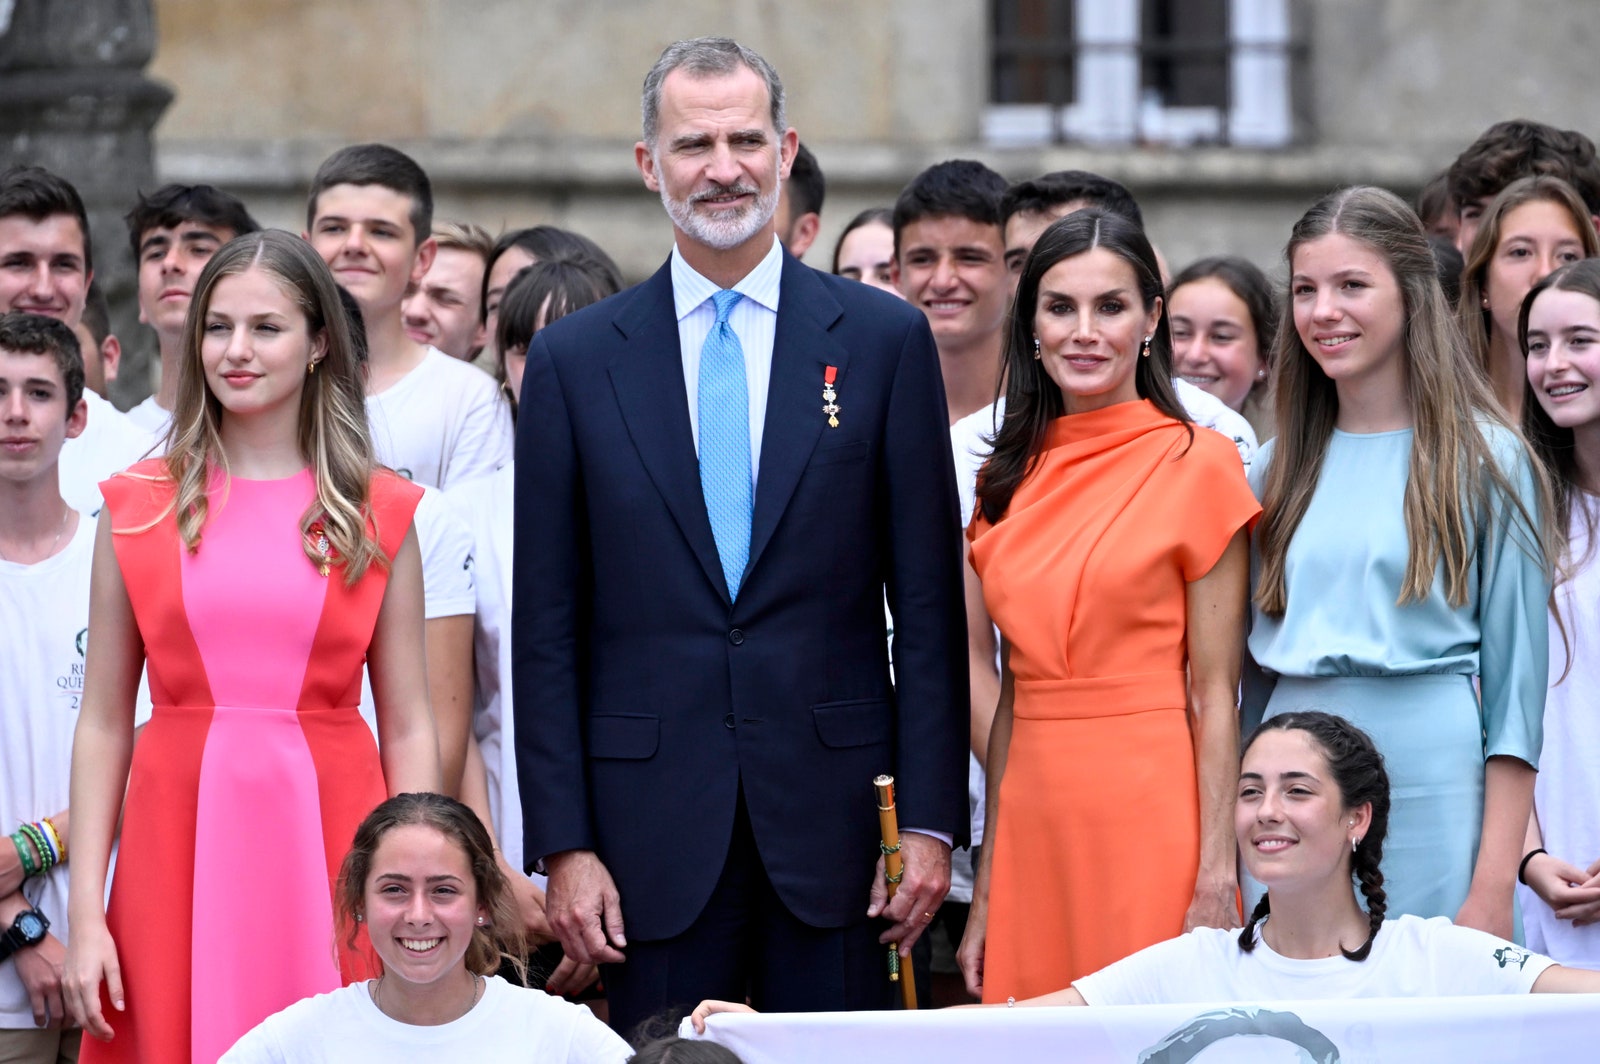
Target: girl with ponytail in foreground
1311, 815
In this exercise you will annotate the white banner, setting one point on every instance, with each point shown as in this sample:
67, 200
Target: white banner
1493, 1030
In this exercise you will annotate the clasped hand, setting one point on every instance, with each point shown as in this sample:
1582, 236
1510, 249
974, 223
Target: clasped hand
1572, 893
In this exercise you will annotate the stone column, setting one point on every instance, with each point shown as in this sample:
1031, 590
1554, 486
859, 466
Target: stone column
74, 99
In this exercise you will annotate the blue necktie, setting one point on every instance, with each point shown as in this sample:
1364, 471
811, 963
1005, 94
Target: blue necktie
724, 409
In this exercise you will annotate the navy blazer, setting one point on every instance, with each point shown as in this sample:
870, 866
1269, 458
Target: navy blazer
644, 699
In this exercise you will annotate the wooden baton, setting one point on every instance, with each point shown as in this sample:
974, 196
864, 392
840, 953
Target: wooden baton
893, 869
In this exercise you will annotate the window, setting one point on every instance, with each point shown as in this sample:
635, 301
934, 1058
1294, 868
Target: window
1140, 71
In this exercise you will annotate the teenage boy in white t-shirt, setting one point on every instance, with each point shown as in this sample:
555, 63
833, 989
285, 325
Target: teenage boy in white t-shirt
45, 553
434, 419
45, 268
174, 232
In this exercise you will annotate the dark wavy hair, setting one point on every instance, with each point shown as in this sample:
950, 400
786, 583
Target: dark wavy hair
1032, 398
883, 216
1357, 770
501, 938
36, 334
547, 243
674, 1050
1245, 280
536, 296
1556, 447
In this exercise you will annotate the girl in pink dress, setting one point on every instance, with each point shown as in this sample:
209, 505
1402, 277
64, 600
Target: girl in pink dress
253, 571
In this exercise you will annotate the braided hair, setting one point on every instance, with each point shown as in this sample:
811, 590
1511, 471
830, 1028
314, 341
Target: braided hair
1357, 770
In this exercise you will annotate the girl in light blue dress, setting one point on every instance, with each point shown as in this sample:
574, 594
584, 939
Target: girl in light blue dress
1402, 555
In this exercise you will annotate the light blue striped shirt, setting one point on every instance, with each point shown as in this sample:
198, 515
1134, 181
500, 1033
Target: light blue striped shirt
754, 319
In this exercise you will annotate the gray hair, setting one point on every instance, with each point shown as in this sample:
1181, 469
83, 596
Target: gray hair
703, 57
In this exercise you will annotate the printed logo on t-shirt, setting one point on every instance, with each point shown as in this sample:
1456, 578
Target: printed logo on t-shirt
1509, 955
70, 682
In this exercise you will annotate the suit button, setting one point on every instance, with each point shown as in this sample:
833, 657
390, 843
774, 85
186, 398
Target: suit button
727, 722
736, 637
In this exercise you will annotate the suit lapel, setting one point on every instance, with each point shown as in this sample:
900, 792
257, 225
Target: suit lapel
801, 350
648, 380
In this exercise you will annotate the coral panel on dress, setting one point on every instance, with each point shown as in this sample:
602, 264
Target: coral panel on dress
248, 783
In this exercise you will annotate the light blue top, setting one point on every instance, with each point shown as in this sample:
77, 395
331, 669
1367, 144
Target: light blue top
1347, 561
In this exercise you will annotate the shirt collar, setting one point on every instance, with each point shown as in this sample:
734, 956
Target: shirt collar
760, 285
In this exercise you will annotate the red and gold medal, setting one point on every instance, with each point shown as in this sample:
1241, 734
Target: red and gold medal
830, 405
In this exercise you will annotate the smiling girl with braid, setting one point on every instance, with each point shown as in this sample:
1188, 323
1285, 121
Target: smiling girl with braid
1311, 815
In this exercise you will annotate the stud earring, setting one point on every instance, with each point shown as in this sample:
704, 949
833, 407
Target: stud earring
1261, 374
1144, 348
1036, 352
480, 921
359, 918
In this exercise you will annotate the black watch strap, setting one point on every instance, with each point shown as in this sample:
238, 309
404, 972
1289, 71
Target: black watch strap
13, 938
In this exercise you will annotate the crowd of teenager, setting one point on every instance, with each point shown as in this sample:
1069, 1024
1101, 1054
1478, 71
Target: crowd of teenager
259, 634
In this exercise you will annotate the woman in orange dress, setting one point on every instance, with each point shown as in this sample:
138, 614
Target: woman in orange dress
1112, 544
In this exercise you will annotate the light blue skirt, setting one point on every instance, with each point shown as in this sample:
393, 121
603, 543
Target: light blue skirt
1430, 733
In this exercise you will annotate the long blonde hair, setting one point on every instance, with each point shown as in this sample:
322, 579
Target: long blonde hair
332, 435
1453, 463
1476, 324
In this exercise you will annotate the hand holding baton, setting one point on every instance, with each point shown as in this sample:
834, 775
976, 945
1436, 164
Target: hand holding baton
893, 869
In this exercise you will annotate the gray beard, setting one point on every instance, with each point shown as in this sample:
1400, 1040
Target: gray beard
721, 234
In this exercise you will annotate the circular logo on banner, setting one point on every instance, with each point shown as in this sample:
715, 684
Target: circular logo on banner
1209, 1028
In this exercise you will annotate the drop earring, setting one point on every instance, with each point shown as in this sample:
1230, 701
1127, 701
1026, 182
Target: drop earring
1144, 348
1036, 351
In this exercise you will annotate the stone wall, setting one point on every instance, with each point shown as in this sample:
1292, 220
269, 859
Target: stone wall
73, 99
526, 111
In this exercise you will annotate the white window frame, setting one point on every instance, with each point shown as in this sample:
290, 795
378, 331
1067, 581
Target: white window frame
1108, 110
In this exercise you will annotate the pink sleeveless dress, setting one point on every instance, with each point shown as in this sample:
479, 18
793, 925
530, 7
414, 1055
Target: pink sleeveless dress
249, 781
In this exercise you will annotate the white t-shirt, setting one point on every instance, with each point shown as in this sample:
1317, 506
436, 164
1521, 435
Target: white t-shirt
1566, 794
969, 446
44, 618
1206, 409
109, 443
1412, 957
508, 1023
447, 572
487, 504
152, 417
443, 423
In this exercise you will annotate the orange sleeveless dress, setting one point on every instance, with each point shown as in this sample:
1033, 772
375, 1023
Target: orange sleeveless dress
255, 768
1097, 842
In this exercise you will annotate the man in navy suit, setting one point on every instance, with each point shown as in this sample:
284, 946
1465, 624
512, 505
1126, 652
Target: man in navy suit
720, 473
